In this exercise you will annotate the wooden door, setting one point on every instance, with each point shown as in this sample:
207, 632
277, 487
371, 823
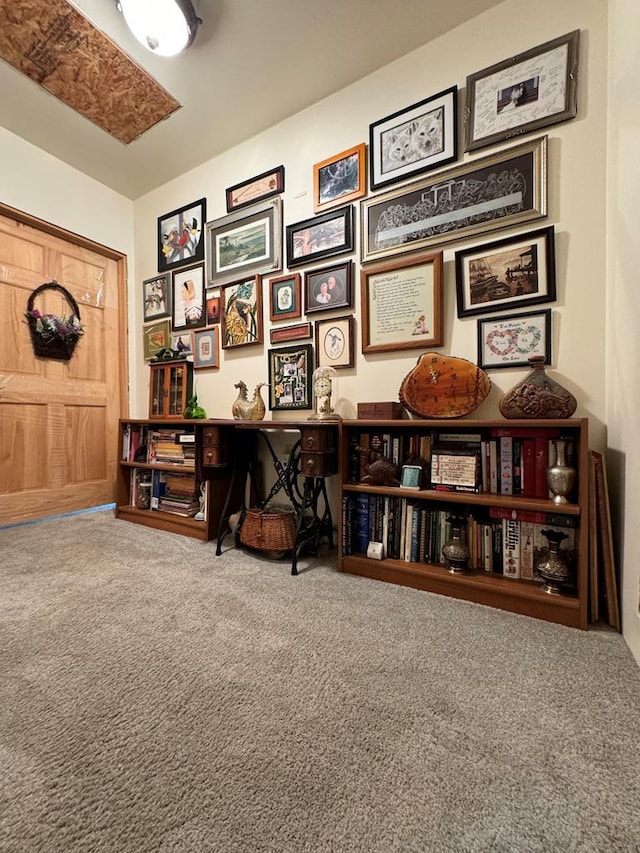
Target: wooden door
59, 419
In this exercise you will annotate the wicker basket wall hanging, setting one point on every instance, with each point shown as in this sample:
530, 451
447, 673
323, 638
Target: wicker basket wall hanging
52, 336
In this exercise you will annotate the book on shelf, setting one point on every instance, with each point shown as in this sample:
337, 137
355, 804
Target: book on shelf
510, 548
455, 469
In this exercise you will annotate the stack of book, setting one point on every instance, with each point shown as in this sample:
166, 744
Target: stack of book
176, 493
171, 447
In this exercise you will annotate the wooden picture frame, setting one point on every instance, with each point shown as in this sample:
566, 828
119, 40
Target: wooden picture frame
329, 287
290, 370
509, 341
241, 303
500, 190
340, 179
212, 307
508, 273
245, 242
255, 189
206, 348
335, 342
524, 93
297, 332
322, 236
155, 336
156, 297
181, 235
402, 304
187, 300
285, 297
414, 140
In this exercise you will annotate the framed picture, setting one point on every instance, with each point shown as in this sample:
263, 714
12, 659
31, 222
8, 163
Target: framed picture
285, 297
329, 287
414, 140
246, 242
505, 188
206, 348
402, 304
334, 342
187, 301
182, 342
320, 237
510, 341
508, 273
523, 93
212, 308
156, 294
181, 236
155, 337
241, 312
290, 370
340, 178
255, 189
290, 333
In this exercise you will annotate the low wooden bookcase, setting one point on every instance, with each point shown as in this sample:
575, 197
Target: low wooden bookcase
482, 582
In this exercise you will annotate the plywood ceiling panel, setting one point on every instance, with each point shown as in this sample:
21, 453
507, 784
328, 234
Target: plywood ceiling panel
61, 50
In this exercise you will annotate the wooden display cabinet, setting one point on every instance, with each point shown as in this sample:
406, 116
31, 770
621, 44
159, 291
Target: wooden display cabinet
170, 388
481, 582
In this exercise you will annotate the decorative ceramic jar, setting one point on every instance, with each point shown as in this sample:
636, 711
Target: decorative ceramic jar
560, 475
455, 550
538, 395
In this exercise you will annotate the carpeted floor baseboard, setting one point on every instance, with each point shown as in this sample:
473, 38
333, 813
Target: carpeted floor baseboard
154, 697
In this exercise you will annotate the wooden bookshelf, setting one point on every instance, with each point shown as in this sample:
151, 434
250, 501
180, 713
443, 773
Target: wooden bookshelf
527, 597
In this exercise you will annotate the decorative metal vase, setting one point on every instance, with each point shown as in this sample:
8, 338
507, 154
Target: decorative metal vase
537, 395
560, 475
455, 550
553, 568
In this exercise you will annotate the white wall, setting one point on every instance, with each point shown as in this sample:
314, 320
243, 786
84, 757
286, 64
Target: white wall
623, 302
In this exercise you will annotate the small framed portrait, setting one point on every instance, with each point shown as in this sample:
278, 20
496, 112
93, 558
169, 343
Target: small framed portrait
285, 292
411, 477
322, 236
414, 140
340, 178
242, 312
334, 342
182, 342
329, 287
181, 235
188, 309
212, 308
156, 293
510, 341
206, 348
155, 336
290, 370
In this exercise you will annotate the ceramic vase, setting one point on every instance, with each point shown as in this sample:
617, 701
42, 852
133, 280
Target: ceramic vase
455, 550
560, 475
538, 395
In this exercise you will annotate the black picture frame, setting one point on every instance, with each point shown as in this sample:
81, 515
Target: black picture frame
181, 235
328, 288
156, 297
414, 140
510, 273
290, 371
255, 189
322, 236
511, 339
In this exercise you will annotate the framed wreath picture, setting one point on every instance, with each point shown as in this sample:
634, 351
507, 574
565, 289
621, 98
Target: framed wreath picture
187, 302
340, 178
329, 287
285, 297
414, 140
206, 348
334, 342
241, 312
181, 235
320, 237
509, 273
156, 294
290, 370
511, 340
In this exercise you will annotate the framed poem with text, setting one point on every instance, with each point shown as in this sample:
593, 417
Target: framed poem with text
500, 190
415, 139
245, 242
524, 93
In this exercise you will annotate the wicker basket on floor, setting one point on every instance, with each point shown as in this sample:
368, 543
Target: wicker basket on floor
268, 529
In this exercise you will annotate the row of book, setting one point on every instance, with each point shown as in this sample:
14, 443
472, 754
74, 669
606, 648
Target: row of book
500, 460
165, 491
501, 541
166, 446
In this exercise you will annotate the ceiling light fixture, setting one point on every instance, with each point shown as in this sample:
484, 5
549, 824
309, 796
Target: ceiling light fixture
165, 27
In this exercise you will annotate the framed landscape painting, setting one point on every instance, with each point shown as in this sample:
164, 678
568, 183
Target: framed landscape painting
181, 235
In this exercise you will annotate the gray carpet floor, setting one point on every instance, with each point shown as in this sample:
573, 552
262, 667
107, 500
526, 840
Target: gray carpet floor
154, 697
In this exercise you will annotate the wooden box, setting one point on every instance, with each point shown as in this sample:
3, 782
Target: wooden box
379, 411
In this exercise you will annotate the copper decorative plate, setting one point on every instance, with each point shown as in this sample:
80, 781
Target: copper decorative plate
443, 386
